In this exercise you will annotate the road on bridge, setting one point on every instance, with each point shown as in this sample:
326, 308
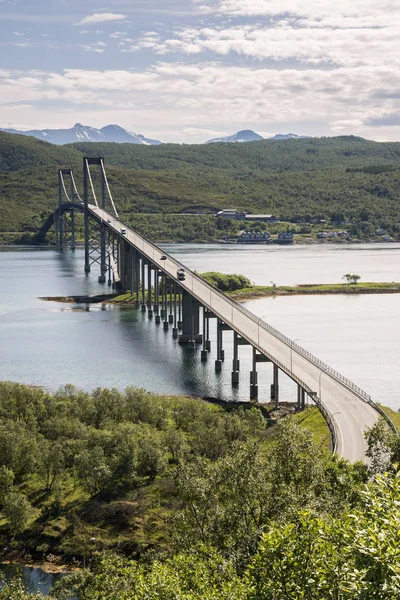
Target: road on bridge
346, 405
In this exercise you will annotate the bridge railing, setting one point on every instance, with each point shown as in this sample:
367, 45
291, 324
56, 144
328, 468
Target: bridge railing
152, 250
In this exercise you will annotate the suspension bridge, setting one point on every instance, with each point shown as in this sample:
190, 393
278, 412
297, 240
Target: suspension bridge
180, 300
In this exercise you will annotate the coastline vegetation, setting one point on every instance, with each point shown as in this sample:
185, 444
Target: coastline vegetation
168, 497
258, 291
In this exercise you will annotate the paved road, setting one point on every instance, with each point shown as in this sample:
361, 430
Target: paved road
350, 413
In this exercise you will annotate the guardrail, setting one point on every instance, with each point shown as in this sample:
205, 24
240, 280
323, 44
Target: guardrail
261, 323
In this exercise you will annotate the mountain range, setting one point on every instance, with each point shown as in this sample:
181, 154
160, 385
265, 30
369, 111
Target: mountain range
247, 135
84, 133
115, 133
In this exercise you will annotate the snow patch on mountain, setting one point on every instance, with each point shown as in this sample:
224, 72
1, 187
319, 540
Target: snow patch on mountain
246, 135
85, 133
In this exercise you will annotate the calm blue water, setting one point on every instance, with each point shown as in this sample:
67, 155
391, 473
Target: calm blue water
50, 344
35, 580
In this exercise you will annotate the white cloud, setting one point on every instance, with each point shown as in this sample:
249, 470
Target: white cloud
97, 47
277, 42
100, 18
343, 9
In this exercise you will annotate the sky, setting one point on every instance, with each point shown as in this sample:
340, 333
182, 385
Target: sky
189, 70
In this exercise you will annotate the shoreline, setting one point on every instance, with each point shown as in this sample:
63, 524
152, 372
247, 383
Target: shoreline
298, 242
254, 293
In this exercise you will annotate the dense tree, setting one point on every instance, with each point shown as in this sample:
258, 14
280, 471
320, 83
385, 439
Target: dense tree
18, 511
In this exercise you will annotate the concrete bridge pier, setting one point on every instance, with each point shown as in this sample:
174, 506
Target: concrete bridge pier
175, 327
162, 283
235, 361
156, 305
149, 291
204, 350
190, 320
126, 265
133, 257
171, 315
103, 263
180, 324
164, 310
137, 278
72, 227
143, 273
219, 359
275, 386
254, 378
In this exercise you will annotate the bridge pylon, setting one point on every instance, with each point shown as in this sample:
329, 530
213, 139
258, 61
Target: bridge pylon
96, 242
64, 219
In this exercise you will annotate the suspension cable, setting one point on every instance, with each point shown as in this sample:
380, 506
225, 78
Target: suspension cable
91, 183
75, 188
108, 187
64, 188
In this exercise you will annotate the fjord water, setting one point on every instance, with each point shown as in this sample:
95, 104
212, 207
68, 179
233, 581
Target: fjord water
51, 344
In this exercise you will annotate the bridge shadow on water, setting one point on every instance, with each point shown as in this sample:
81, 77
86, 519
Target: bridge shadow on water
162, 365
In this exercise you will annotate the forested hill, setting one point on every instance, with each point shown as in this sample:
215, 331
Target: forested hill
20, 152
267, 155
301, 179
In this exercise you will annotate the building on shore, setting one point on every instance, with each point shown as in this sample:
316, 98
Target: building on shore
254, 237
232, 213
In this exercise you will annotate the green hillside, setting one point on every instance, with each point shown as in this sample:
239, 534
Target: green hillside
272, 156
343, 178
22, 152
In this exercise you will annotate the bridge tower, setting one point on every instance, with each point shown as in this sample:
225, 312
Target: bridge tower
64, 218
99, 241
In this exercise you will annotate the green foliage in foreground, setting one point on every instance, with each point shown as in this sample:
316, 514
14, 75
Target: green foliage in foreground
352, 556
205, 503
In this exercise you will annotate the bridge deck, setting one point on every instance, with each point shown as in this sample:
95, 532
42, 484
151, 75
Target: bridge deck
348, 407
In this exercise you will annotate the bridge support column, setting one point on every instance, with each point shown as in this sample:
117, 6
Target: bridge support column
175, 327
59, 215
103, 265
132, 269
149, 291
298, 397
72, 227
86, 215
190, 320
275, 386
219, 359
171, 316
156, 305
109, 248
235, 361
254, 378
137, 278
204, 352
165, 302
163, 277
303, 399
180, 324
143, 285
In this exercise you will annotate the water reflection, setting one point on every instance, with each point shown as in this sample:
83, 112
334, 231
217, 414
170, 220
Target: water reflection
50, 344
34, 579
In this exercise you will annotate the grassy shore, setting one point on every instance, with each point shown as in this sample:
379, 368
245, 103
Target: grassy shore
393, 415
258, 291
